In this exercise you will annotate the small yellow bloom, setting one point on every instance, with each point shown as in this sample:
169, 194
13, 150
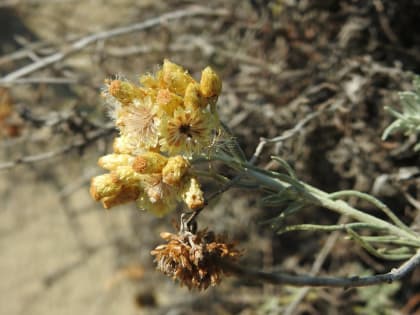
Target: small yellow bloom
127, 175
193, 98
174, 170
193, 195
123, 145
150, 81
103, 186
112, 161
175, 78
125, 195
124, 91
111, 191
149, 162
158, 197
187, 133
168, 101
139, 122
210, 83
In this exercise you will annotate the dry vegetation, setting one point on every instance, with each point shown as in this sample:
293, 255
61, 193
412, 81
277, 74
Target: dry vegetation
337, 62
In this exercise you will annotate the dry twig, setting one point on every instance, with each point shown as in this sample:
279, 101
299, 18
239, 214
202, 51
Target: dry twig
278, 278
94, 136
88, 40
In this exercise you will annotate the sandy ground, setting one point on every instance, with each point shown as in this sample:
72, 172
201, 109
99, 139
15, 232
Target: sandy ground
45, 265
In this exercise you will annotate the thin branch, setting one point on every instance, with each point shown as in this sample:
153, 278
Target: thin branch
286, 279
63, 150
88, 40
384, 22
40, 80
286, 135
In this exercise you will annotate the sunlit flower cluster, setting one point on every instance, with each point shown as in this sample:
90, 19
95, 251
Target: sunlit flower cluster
164, 122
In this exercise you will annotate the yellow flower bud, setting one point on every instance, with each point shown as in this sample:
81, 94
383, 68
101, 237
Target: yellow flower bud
193, 98
112, 161
124, 195
174, 170
104, 186
175, 78
168, 101
149, 162
193, 195
124, 91
122, 145
149, 81
210, 83
127, 175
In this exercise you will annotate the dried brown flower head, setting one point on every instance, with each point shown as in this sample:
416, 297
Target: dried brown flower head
196, 260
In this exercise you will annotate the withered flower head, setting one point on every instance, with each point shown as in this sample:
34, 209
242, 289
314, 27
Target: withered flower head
196, 260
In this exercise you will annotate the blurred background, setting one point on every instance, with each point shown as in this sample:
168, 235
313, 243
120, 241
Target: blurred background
281, 61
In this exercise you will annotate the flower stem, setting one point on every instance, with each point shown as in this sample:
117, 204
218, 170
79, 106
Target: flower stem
325, 200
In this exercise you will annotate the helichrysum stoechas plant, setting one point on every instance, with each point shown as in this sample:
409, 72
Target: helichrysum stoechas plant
167, 123
164, 122
408, 121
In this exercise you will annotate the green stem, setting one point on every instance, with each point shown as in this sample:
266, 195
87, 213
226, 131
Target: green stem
381, 206
327, 228
324, 200
373, 251
391, 239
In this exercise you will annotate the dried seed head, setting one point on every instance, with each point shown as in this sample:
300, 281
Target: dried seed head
195, 260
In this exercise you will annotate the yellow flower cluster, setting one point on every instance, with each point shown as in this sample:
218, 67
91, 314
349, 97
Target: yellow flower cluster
164, 122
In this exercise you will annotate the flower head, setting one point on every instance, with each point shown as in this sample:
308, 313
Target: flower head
187, 132
111, 191
139, 123
164, 122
